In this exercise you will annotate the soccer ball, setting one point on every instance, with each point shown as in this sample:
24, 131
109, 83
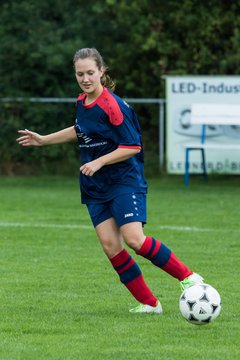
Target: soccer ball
200, 304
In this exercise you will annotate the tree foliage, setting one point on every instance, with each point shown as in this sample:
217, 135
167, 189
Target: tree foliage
140, 40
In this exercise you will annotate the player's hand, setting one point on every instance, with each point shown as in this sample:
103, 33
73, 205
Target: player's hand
29, 138
90, 168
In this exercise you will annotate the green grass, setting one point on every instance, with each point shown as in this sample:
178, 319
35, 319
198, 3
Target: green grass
60, 298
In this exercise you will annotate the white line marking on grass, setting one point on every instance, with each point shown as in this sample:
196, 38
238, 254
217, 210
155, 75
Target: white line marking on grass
184, 228
90, 227
194, 229
61, 226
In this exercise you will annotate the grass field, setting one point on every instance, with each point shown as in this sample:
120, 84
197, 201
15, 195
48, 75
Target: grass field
60, 298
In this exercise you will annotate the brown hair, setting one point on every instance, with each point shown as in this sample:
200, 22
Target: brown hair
95, 55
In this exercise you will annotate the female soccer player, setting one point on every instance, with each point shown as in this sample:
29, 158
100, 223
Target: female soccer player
111, 178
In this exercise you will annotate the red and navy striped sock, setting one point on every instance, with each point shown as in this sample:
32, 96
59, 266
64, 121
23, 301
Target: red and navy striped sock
163, 257
131, 276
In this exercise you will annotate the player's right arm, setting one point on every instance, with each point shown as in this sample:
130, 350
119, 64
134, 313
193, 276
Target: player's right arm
30, 138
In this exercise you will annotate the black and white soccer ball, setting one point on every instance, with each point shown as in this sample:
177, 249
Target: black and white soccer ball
200, 304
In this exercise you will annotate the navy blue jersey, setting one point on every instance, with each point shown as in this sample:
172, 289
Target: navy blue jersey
101, 127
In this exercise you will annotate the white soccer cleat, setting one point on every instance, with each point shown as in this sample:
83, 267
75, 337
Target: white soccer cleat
191, 280
141, 309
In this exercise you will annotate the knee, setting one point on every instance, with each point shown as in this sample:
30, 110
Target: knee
134, 242
111, 248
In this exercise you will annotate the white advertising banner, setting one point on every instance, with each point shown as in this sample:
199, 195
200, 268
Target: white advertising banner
181, 92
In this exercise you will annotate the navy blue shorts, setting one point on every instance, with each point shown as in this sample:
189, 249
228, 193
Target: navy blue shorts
124, 209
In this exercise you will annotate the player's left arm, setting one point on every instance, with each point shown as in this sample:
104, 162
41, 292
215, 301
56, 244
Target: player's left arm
120, 154
125, 134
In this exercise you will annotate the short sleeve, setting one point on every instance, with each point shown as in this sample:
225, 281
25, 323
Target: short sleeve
125, 127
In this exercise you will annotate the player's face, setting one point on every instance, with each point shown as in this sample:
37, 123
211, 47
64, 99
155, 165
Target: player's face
88, 76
